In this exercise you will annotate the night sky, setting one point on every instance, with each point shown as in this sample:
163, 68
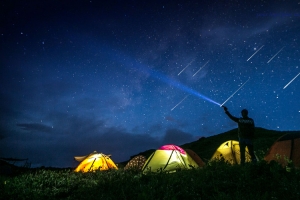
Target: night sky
122, 77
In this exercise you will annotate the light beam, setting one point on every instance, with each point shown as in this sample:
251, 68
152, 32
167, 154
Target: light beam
178, 85
131, 63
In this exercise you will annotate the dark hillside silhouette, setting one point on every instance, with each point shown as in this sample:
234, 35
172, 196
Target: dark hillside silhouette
206, 146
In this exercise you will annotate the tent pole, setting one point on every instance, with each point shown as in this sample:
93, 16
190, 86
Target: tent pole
233, 152
148, 160
181, 160
92, 164
292, 148
105, 161
168, 160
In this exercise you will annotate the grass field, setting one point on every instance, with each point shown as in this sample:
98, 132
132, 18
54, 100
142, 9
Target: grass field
217, 180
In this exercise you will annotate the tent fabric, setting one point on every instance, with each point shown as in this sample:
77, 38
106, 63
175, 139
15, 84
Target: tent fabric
169, 158
80, 158
230, 151
136, 162
195, 157
172, 147
95, 161
285, 148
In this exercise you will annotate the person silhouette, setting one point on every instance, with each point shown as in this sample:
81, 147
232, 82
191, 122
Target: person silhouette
246, 129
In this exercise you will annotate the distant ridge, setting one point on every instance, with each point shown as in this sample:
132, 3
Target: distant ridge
206, 146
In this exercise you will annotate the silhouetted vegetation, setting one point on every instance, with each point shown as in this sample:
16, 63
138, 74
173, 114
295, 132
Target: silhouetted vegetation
217, 180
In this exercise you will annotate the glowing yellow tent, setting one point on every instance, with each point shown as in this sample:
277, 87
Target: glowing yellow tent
93, 162
230, 151
169, 158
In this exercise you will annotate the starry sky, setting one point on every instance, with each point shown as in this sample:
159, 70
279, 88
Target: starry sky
122, 77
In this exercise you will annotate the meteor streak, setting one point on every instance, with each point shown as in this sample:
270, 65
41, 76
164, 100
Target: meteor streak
234, 93
186, 66
275, 55
180, 102
200, 68
255, 52
291, 81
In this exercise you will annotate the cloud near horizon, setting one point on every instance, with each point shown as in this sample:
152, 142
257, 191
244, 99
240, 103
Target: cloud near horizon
56, 145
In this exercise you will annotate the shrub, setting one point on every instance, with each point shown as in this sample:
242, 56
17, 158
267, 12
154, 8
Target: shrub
217, 180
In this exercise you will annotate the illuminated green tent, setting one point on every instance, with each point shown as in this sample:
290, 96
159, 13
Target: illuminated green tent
230, 151
169, 158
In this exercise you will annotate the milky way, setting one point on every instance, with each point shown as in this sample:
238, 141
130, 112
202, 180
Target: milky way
84, 76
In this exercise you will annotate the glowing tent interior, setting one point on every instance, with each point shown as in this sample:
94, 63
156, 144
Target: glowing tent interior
93, 162
230, 152
169, 158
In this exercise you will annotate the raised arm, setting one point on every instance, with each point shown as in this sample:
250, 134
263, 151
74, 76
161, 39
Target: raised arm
235, 119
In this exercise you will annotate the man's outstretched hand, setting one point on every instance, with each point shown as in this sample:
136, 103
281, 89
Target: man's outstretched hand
225, 108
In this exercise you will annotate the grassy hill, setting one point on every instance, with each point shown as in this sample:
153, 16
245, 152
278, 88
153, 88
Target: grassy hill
219, 180
205, 147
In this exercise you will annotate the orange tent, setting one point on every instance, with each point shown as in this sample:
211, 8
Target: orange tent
195, 157
93, 162
285, 148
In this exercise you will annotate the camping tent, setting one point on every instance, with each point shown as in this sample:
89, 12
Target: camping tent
136, 162
169, 158
230, 152
94, 161
285, 148
195, 157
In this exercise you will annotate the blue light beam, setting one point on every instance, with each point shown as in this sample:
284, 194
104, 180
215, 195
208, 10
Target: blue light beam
178, 85
129, 63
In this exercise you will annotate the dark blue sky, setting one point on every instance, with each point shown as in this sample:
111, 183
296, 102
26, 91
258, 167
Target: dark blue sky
121, 77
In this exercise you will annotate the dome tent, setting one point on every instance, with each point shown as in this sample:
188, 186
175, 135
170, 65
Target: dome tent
230, 151
195, 157
136, 162
169, 158
93, 162
285, 149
